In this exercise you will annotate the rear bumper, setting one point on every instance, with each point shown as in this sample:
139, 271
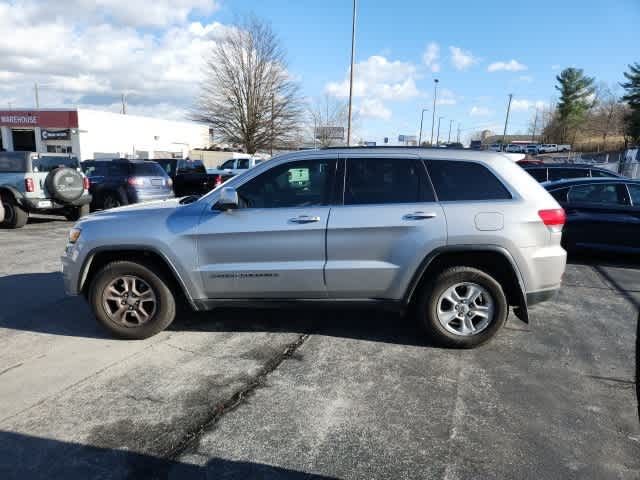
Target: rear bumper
138, 196
45, 204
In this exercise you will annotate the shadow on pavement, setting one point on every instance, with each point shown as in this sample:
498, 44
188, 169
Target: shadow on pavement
28, 457
37, 220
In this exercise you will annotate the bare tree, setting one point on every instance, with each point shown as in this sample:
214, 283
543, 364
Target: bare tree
325, 115
247, 94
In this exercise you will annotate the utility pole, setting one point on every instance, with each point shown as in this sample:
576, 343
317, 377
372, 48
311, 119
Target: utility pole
35, 89
272, 124
449, 137
506, 120
124, 104
353, 52
458, 137
438, 136
421, 119
433, 115
535, 123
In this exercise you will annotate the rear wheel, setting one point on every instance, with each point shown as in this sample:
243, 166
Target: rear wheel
111, 200
76, 213
132, 300
462, 307
14, 215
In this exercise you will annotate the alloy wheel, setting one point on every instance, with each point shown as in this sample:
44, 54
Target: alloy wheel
465, 309
129, 301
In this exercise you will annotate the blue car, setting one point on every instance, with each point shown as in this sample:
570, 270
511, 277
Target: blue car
602, 213
121, 182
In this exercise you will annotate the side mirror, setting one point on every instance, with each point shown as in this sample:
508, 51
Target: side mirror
228, 199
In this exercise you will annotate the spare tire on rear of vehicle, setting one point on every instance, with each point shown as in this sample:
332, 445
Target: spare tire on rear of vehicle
65, 184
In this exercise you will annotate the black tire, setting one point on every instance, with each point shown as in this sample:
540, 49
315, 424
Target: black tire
65, 184
14, 215
165, 307
427, 307
111, 200
76, 213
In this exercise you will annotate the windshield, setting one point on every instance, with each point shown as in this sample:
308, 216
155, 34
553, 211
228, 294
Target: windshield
191, 166
48, 163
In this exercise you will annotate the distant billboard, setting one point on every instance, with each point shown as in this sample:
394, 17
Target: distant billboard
369, 144
333, 133
407, 138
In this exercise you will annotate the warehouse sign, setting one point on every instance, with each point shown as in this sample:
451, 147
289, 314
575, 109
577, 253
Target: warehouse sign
333, 133
56, 119
56, 134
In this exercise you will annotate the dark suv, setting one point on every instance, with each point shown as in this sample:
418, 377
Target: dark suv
189, 177
121, 182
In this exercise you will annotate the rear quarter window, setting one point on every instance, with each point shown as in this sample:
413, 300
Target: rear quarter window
465, 181
12, 162
540, 174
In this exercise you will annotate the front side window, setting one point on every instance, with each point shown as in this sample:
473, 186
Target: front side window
599, 194
228, 165
386, 180
634, 192
465, 181
304, 183
243, 163
11, 162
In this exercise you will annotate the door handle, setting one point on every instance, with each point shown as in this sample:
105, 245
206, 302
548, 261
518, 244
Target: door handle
419, 215
304, 219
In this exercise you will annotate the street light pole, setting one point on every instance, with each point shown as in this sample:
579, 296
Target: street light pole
449, 137
438, 136
421, 120
433, 115
506, 120
458, 137
35, 89
353, 52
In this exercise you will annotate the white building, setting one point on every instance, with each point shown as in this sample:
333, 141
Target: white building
93, 134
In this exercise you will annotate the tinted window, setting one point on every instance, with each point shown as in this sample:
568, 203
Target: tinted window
191, 166
12, 162
295, 184
465, 181
601, 173
560, 173
118, 169
243, 163
379, 180
540, 174
166, 164
147, 169
227, 165
560, 195
600, 193
634, 191
46, 164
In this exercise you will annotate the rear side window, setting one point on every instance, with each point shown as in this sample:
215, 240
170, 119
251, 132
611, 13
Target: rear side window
243, 163
601, 173
454, 180
634, 191
12, 162
540, 174
228, 164
191, 166
385, 180
46, 164
560, 173
147, 169
601, 194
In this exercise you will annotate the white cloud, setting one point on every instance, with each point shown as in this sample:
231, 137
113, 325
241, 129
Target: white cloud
98, 50
373, 108
431, 56
510, 66
522, 105
526, 78
447, 97
480, 112
462, 59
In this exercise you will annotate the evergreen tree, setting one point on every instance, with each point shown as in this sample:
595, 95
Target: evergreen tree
576, 98
632, 97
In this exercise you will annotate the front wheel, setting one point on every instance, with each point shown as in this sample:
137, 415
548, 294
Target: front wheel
462, 307
132, 300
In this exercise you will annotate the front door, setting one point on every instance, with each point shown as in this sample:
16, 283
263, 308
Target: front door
273, 245
388, 223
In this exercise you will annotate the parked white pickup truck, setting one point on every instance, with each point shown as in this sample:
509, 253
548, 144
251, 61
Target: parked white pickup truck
234, 166
553, 148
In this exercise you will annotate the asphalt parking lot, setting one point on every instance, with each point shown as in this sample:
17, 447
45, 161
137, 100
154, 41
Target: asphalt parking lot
314, 395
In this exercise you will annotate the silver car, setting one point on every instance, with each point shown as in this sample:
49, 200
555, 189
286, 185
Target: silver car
460, 235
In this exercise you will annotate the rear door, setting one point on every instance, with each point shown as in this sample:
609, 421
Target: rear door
388, 221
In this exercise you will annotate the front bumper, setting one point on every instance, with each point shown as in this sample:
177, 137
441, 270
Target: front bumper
42, 204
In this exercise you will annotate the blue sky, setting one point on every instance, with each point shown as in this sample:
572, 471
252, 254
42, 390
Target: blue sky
481, 51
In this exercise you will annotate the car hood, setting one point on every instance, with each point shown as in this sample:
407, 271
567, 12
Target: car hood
138, 207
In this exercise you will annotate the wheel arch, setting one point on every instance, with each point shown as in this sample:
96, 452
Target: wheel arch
491, 259
9, 189
145, 255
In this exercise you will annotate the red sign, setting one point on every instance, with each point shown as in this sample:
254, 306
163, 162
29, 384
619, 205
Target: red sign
39, 118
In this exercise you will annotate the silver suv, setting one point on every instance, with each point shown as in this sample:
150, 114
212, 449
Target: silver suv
41, 183
458, 235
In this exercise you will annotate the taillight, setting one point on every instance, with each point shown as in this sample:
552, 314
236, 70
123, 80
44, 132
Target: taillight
135, 181
29, 186
86, 183
218, 181
554, 219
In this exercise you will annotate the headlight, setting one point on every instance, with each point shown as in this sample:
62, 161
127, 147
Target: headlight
74, 235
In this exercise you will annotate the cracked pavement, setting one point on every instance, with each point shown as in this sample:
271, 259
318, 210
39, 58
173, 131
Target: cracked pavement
314, 395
